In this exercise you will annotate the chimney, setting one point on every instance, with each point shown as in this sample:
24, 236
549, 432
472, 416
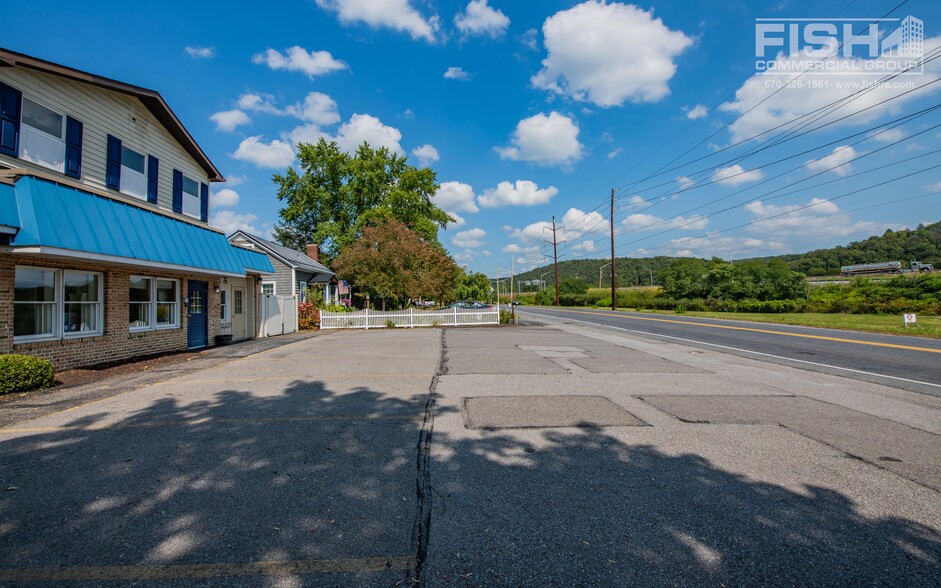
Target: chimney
313, 252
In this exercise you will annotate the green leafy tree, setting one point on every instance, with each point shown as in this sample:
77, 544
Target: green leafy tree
572, 286
684, 278
471, 286
334, 195
394, 264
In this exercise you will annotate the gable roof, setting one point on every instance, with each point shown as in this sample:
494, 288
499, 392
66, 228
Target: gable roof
286, 255
151, 99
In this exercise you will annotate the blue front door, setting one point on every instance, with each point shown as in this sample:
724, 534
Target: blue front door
196, 311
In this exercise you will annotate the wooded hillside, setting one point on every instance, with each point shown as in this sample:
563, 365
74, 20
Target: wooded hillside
922, 243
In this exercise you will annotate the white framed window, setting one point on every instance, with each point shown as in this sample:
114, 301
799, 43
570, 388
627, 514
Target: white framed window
223, 305
34, 303
269, 288
82, 302
133, 173
301, 291
42, 136
191, 205
168, 303
56, 304
140, 306
153, 303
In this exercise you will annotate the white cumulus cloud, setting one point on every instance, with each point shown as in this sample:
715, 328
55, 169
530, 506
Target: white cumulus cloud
735, 175
274, 155
369, 129
398, 15
258, 103
522, 193
228, 120
229, 221
696, 112
608, 54
480, 19
225, 198
426, 155
469, 239
455, 197
811, 220
578, 223
643, 222
296, 58
837, 160
317, 108
457, 73
200, 52
544, 140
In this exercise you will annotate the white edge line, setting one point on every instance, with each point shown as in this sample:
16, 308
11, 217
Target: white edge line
836, 367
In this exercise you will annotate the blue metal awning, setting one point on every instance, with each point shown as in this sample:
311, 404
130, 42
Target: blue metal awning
56, 218
9, 218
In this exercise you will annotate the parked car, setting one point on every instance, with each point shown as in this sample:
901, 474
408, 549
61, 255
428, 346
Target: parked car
469, 304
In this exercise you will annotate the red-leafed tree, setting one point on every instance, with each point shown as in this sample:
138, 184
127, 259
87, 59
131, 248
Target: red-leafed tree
394, 264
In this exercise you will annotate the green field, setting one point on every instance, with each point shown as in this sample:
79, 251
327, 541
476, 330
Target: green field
928, 326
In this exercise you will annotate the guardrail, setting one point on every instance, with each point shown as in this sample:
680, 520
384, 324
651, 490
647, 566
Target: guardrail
410, 318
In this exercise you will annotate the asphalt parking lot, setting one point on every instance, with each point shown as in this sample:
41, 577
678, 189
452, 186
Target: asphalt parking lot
543, 454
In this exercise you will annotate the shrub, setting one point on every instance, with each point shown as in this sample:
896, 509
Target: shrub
308, 316
390, 324
22, 373
506, 317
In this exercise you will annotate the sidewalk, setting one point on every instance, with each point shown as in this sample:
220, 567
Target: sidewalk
15, 408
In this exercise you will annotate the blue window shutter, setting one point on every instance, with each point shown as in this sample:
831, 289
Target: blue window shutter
177, 191
10, 101
73, 147
153, 164
204, 203
113, 178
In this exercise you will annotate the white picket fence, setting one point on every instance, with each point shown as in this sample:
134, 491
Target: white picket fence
409, 318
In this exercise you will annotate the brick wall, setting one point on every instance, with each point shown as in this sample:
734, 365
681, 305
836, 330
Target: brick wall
116, 342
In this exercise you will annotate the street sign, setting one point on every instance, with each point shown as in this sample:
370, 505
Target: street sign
910, 318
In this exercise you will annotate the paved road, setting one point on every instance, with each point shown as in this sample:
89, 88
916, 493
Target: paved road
569, 455
910, 363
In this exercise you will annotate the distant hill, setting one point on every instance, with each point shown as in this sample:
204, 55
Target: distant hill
922, 243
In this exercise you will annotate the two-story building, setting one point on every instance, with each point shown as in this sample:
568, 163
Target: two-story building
106, 252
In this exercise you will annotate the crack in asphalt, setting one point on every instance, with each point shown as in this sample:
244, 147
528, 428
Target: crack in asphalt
421, 528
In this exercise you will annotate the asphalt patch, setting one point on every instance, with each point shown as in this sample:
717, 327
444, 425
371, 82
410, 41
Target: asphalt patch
522, 412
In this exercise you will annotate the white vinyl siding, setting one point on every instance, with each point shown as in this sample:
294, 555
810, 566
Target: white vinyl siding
105, 112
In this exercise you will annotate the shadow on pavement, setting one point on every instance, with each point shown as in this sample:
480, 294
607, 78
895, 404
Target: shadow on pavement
312, 475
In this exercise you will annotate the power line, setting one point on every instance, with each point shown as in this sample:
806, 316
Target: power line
795, 210
888, 126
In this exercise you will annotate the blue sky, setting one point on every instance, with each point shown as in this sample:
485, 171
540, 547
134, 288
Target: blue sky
532, 109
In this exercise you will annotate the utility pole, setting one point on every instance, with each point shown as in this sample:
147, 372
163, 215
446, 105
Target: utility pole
555, 257
613, 279
512, 271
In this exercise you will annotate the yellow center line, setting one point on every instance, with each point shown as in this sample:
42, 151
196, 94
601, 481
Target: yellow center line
206, 421
754, 330
207, 570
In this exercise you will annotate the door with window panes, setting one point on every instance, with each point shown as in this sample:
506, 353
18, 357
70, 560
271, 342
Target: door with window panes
197, 310
238, 314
